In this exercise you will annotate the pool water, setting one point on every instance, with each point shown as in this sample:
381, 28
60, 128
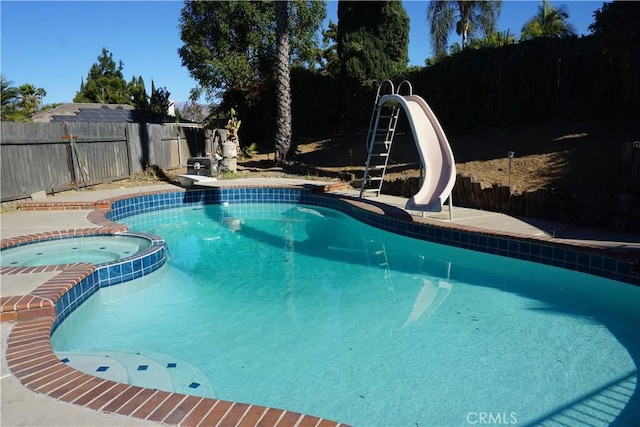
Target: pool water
304, 308
92, 249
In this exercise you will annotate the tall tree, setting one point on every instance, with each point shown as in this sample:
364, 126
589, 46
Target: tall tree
230, 47
138, 93
329, 62
159, 102
373, 38
105, 83
468, 17
29, 98
283, 82
548, 22
305, 22
223, 46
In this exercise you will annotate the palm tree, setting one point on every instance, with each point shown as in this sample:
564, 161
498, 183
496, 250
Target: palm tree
467, 16
40, 94
283, 83
548, 22
29, 98
9, 95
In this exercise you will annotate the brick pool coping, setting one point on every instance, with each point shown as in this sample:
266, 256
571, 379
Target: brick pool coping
31, 359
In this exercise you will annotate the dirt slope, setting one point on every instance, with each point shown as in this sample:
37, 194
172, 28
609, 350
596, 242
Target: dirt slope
580, 160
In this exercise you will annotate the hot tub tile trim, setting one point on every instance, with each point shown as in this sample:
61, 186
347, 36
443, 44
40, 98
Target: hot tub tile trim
76, 282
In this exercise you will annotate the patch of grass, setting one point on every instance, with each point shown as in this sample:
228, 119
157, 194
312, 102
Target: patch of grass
231, 175
8, 207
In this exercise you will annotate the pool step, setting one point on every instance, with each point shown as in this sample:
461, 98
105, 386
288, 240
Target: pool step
151, 370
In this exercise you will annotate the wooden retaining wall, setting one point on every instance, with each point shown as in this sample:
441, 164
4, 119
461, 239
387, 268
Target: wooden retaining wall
41, 156
622, 213
542, 203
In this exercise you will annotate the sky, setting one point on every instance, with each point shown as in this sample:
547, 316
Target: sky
53, 44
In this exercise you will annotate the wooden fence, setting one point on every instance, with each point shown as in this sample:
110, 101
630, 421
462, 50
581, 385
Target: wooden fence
53, 157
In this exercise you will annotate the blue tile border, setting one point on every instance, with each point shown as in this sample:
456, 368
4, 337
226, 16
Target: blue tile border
112, 273
602, 262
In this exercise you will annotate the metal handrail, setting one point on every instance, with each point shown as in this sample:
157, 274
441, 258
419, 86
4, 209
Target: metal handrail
408, 83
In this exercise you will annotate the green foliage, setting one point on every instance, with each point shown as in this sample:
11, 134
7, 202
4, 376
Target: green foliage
495, 39
18, 104
233, 126
224, 45
329, 62
305, 21
30, 98
511, 83
617, 20
469, 18
536, 81
138, 93
229, 47
373, 38
159, 102
249, 151
9, 94
105, 83
548, 22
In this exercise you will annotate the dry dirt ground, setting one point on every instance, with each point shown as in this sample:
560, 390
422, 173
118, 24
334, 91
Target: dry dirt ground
572, 158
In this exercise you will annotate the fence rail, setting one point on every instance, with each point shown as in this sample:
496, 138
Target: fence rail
60, 156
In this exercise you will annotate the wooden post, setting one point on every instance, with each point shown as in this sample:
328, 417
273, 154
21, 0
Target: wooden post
74, 157
179, 150
127, 143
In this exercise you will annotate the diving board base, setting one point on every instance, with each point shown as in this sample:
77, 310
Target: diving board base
191, 180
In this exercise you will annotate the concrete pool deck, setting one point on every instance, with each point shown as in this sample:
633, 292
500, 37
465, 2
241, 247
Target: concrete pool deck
22, 406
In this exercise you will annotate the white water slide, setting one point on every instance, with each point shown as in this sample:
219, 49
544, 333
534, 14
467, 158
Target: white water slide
434, 150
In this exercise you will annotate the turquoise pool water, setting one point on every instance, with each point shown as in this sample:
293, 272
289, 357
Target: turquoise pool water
93, 249
306, 309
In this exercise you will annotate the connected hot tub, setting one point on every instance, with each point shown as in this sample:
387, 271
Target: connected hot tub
95, 249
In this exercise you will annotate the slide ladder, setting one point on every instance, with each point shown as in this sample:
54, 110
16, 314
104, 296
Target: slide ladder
382, 129
438, 169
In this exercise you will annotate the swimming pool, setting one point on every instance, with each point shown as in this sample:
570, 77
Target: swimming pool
382, 326
92, 249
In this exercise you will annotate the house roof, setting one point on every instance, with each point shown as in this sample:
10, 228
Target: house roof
85, 112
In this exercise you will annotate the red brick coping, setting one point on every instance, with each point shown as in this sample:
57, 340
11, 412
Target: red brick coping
41, 302
32, 361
